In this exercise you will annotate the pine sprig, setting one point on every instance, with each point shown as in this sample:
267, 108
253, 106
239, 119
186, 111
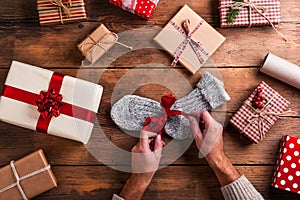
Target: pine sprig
233, 13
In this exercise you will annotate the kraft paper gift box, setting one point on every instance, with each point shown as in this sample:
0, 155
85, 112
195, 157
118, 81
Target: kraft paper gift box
287, 169
97, 43
142, 8
49, 102
244, 16
35, 174
205, 40
60, 11
253, 122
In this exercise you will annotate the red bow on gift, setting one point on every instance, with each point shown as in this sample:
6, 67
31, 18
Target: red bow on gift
157, 124
49, 103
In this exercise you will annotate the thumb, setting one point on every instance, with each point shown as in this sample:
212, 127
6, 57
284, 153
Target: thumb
195, 127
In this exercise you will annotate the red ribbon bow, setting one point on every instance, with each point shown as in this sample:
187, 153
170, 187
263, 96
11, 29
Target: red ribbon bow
157, 124
49, 103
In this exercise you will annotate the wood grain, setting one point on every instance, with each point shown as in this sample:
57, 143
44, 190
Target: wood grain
145, 72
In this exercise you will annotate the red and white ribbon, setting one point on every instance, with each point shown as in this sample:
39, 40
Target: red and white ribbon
201, 53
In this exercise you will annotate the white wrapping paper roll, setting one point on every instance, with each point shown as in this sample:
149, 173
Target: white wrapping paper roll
281, 69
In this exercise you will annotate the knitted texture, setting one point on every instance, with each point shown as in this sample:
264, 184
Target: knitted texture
241, 189
131, 111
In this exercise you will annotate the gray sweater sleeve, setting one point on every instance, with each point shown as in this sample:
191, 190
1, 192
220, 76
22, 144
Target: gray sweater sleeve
241, 189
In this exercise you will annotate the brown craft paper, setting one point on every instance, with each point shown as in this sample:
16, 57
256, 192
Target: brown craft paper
32, 186
169, 38
104, 39
281, 69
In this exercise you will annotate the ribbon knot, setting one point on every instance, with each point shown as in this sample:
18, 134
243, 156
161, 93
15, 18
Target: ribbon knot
63, 7
157, 124
49, 103
196, 46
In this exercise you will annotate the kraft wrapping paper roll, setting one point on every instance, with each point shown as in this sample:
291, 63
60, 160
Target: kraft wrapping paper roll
281, 69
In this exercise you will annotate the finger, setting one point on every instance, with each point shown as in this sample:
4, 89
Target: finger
194, 126
206, 117
144, 138
158, 145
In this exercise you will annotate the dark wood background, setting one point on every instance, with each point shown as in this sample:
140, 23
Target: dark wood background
79, 174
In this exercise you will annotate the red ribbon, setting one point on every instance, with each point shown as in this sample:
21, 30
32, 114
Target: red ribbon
157, 124
66, 108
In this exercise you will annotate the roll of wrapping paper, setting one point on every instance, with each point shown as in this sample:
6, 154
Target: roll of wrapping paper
281, 69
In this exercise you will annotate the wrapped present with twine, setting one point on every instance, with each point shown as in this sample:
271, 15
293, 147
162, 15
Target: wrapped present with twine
238, 13
259, 112
98, 43
26, 178
189, 39
60, 11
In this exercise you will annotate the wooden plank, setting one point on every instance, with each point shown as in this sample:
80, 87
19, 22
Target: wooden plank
15, 141
47, 47
176, 182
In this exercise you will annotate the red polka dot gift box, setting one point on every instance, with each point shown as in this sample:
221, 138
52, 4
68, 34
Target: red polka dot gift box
142, 8
287, 170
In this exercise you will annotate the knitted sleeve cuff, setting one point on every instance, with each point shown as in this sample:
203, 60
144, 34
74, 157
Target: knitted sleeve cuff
241, 189
213, 90
116, 197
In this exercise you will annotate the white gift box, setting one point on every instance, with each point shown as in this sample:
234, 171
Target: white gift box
77, 95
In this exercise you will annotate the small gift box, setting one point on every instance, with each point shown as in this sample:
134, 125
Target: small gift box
287, 169
60, 11
259, 112
142, 8
98, 43
238, 13
26, 178
189, 39
49, 102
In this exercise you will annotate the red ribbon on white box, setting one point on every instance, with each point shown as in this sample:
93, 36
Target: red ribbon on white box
196, 46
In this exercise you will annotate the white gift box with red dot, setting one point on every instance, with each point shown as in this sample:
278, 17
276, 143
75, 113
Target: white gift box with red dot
287, 170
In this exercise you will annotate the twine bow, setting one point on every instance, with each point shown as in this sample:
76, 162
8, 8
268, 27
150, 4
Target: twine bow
157, 124
261, 115
196, 46
259, 9
49, 103
19, 179
104, 41
62, 8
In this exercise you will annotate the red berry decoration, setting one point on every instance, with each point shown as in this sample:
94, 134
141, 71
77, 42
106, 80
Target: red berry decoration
258, 101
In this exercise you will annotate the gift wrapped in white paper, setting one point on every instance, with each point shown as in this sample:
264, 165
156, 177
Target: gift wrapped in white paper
80, 98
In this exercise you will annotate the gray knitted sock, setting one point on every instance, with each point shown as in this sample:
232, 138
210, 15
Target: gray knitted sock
131, 111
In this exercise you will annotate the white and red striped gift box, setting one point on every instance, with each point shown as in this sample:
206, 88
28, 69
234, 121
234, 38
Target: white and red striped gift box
50, 13
240, 119
271, 11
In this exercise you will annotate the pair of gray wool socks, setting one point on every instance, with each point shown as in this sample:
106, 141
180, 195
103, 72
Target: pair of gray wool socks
131, 111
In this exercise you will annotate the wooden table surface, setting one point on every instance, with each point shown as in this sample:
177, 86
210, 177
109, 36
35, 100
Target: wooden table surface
79, 174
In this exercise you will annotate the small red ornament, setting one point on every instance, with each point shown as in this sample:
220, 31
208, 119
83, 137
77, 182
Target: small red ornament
258, 101
49, 103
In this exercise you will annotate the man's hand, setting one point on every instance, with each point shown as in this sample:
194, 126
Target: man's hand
144, 164
209, 140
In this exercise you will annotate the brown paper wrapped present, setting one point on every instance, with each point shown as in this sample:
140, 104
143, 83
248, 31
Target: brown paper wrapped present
26, 178
189, 39
259, 112
98, 43
60, 11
